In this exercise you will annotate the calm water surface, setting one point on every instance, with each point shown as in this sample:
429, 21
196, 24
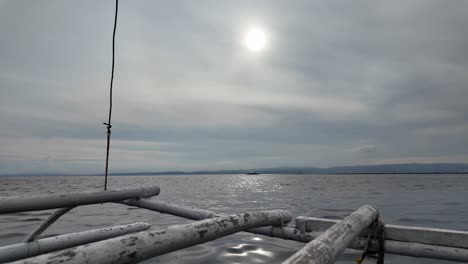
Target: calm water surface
419, 200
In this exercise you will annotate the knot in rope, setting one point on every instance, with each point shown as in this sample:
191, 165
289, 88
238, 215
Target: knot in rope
109, 126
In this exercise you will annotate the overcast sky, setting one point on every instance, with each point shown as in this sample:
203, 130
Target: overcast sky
338, 83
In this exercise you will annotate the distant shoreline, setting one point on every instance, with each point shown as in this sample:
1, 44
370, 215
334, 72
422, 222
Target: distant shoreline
194, 174
409, 168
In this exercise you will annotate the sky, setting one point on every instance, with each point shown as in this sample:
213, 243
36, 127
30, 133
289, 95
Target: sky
337, 83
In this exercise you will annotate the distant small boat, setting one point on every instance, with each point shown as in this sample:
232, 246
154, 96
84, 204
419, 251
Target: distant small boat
252, 173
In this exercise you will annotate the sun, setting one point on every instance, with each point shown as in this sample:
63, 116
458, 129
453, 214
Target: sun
255, 39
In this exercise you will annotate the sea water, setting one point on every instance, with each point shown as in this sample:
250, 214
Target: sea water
435, 200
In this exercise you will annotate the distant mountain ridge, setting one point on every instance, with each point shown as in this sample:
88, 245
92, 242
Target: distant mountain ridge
359, 169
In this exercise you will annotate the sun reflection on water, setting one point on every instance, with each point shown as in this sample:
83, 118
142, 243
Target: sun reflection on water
245, 250
256, 183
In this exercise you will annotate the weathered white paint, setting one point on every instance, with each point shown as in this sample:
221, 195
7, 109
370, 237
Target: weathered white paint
170, 208
199, 214
424, 235
147, 244
327, 247
432, 236
419, 250
43, 202
50, 244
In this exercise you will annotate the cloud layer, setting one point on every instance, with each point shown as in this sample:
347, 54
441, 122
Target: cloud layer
339, 83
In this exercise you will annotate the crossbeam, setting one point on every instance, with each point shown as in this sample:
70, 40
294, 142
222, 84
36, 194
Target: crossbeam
327, 247
53, 201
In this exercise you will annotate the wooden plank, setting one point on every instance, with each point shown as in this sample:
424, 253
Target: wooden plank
431, 236
419, 250
424, 235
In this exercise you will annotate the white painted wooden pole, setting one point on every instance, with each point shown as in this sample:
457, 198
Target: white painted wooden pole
327, 247
50, 244
137, 247
172, 209
43, 202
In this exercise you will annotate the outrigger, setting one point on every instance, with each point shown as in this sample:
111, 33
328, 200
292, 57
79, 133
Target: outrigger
325, 239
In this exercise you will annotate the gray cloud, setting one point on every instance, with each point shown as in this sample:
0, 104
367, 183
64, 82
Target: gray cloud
335, 76
368, 149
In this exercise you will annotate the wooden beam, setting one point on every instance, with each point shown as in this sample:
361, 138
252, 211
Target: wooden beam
420, 250
326, 248
17, 204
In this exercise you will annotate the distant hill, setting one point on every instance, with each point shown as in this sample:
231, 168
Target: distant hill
364, 169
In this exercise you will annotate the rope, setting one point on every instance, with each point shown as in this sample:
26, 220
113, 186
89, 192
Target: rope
375, 243
108, 124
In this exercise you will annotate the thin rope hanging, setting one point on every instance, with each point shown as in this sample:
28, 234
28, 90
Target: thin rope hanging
108, 124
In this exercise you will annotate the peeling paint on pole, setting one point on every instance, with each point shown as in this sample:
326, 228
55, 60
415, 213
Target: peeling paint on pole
50, 244
53, 201
326, 248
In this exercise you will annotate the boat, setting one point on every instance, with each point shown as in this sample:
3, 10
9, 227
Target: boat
324, 239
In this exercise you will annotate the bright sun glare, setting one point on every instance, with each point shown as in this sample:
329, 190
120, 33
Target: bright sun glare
255, 39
